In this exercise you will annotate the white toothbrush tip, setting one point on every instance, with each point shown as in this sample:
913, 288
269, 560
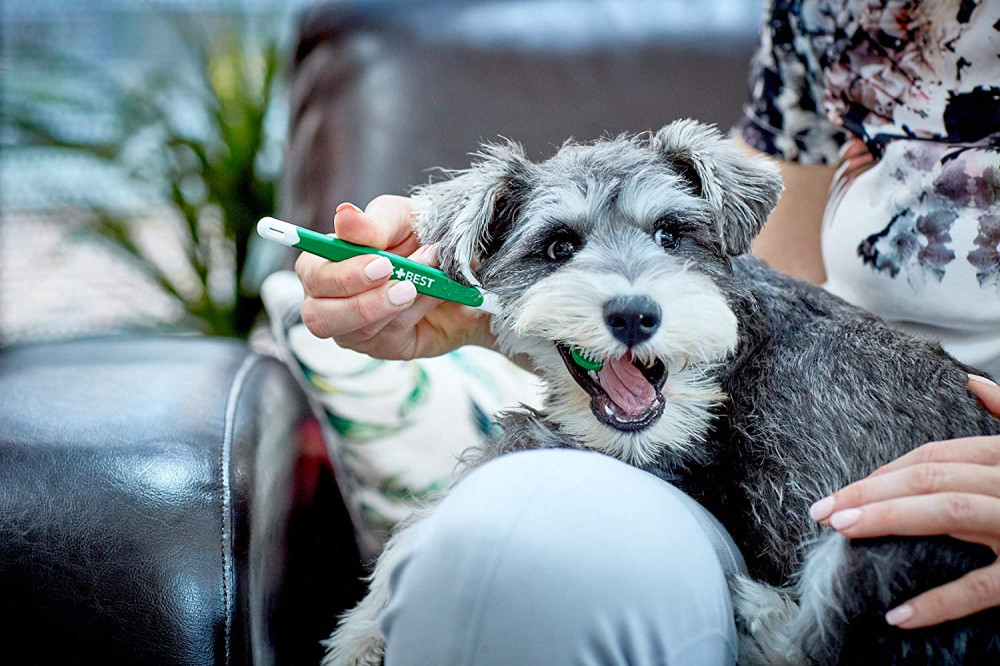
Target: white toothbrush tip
490, 304
278, 231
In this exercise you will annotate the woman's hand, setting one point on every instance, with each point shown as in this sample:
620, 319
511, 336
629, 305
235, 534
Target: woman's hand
356, 302
950, 487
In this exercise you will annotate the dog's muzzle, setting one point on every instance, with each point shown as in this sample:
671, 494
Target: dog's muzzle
624, 394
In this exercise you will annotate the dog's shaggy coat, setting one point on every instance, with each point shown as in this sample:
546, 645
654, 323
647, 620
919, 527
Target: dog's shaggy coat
767, 393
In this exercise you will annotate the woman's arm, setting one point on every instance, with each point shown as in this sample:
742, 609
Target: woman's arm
789, 241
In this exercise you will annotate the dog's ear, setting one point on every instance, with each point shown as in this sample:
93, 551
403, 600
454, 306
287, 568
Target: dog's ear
743, 189
470, 215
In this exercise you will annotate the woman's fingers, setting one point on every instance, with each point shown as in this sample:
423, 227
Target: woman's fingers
354, 339
987, 391
345, 302
402, 322
973, 592
918, 479
974, 516
975, 450
327, 279
333, 317
427, 255
386, 223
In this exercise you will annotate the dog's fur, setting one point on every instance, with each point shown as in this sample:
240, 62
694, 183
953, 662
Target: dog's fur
775, 392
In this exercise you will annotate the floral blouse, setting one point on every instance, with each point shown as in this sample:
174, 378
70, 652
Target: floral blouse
905, 96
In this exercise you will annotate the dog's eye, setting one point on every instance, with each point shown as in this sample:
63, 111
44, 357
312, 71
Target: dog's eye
666, 237
561, 249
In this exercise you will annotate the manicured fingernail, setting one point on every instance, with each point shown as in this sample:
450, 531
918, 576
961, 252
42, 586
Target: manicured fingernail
347, 204
899, 614
378, 268
429, 255
402, 293
983, 380
845, 518
821, 509
419, 253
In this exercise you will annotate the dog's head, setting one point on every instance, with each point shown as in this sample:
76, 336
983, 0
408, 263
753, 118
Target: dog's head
620, 250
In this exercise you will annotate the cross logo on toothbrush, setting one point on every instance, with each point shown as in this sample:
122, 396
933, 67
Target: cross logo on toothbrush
416, 278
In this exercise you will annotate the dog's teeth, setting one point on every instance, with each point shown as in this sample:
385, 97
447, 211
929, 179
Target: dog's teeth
607, 409
593, 376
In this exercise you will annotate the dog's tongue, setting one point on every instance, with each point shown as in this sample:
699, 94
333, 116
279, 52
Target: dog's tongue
626, 386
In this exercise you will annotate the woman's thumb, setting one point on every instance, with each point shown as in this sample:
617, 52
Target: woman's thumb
385, 223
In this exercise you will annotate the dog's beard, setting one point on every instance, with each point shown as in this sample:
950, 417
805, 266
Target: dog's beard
656, 395
681, 421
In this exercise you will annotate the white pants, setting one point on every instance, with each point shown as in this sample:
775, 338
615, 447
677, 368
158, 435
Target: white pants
560, 557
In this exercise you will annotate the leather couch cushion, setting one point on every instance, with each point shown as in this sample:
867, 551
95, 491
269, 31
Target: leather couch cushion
145, 491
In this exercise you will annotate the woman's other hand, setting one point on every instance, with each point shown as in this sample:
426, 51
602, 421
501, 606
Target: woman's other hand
950, 487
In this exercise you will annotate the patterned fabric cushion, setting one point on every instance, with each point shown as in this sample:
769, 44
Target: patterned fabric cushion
394, 429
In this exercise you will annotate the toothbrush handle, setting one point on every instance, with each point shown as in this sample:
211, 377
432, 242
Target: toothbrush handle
427, 280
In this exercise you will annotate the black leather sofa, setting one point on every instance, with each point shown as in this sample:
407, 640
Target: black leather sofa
161, 500
158, 505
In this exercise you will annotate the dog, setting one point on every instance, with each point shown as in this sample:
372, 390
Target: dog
753, 392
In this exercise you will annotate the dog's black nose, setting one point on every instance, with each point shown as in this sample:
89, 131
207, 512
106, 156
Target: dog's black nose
632, 319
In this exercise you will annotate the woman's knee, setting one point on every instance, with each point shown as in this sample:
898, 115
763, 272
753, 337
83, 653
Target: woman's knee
562, 551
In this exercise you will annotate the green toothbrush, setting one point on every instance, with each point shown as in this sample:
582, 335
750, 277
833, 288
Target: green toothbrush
427, 280
585, 360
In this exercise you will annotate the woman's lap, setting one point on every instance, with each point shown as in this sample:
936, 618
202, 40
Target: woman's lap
563, 557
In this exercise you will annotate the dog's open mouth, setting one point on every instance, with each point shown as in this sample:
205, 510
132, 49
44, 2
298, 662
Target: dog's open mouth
624, 393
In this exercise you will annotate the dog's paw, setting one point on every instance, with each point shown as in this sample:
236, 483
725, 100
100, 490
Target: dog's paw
352, 645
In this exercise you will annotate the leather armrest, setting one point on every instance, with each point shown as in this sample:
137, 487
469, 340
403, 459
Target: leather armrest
147, 489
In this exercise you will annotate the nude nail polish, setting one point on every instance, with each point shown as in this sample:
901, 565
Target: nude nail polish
378, 268
821, 508
899, 614
982, 380
402, 293
845, 518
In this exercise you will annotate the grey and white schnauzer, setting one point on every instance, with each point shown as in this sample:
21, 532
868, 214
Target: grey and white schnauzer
621, 271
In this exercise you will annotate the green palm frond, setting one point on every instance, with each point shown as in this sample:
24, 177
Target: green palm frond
212, 173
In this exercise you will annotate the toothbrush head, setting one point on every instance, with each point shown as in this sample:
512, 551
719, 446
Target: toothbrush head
490, 304
586, 362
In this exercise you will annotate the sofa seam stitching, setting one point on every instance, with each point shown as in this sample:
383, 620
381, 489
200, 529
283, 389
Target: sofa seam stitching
226, 536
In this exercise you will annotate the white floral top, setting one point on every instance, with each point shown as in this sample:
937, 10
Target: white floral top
906, 96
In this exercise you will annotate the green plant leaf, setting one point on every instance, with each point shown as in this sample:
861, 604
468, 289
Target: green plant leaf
199, 173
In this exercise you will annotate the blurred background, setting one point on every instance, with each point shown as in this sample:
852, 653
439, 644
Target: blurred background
141, 140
